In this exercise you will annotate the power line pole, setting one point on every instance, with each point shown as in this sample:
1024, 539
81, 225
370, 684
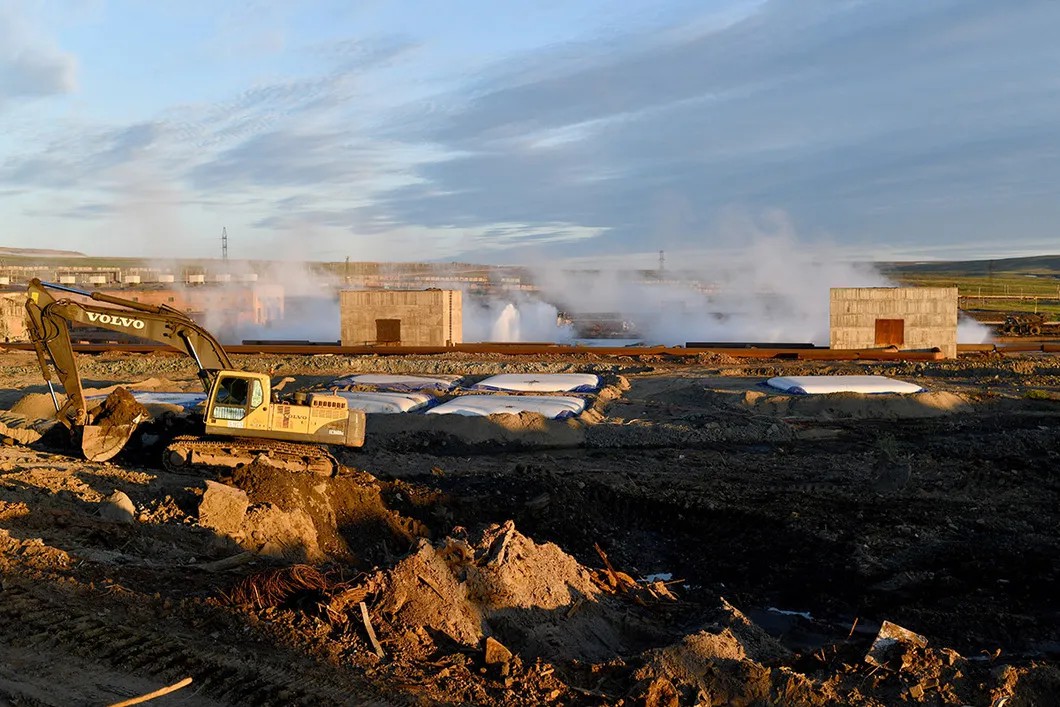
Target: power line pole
224, 244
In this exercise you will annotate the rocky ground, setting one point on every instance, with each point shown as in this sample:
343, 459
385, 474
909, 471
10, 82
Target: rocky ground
696, 539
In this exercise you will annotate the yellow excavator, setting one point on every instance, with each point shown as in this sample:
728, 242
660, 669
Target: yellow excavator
244, 417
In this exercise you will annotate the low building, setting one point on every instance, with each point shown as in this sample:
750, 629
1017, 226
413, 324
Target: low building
401, 317
908, 318
13, 317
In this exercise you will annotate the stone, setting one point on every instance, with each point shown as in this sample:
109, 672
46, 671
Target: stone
118, 508
223, 508
496, 653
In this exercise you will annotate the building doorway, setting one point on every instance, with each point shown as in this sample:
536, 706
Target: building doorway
388, 331
890, 332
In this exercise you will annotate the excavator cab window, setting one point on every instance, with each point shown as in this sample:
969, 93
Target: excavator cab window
233, 391
231, 401
257, 397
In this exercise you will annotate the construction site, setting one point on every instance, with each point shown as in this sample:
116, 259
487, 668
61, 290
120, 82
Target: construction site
419, 501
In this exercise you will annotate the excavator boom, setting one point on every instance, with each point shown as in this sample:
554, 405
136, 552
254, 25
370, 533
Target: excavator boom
49, 325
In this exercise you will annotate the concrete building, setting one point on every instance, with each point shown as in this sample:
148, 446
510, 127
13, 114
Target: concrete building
910, 318
13, 317
401, 317
220, 307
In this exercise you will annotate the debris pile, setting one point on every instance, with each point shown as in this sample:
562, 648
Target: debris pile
497, 611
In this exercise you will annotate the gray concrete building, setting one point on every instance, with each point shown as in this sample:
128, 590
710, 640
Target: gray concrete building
909, 318
401, 317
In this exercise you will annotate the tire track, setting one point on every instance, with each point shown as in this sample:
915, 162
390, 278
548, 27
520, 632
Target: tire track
101, 629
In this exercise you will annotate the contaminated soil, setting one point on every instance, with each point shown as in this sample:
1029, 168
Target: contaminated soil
695, 539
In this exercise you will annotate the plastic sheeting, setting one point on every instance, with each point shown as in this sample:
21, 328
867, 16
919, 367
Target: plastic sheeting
822, 385
385, 403
149, 397
541, 383
555, 407
398, 383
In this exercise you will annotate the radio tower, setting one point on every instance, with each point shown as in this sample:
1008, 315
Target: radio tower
662, 261
224, 244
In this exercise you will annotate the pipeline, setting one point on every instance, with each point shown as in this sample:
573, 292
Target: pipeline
535, 349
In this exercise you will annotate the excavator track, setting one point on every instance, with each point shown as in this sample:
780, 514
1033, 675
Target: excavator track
195, 455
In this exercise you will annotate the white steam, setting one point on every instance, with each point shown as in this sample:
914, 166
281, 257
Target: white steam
512, 317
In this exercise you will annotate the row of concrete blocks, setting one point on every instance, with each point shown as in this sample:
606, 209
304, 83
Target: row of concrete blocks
897, 308
912, 321
878, 294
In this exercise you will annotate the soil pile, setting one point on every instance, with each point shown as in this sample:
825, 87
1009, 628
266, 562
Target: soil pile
857, 405
35, 406
307, 518
535, 599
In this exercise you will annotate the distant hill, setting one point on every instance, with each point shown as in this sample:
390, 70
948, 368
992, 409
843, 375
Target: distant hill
39, 253
1038, 264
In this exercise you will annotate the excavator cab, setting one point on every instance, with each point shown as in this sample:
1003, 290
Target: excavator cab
240, 405
237, 400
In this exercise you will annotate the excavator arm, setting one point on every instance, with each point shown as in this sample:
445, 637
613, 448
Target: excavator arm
50, 320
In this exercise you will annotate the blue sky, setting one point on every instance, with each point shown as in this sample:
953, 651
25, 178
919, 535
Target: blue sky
521, 132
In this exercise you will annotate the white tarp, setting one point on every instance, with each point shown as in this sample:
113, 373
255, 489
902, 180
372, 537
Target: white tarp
541, 383
551, 406
150, 397
385, 402
821, 385
399, 383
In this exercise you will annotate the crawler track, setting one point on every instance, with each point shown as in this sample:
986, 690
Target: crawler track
192, 455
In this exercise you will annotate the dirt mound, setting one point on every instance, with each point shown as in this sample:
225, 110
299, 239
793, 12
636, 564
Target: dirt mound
457, 434
313, 518
857, 405
727, 662
534, 598
35, 406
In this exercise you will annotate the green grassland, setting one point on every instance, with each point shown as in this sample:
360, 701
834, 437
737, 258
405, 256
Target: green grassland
1034, 281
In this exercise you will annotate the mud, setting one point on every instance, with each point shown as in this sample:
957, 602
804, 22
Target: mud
754, 548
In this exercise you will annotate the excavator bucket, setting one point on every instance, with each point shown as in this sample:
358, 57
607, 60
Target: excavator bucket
102, 442
112, 425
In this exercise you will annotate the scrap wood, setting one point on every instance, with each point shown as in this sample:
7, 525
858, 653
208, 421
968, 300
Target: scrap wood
620, 581
152, 695
370, 631
227, 563
348, 597
432, 585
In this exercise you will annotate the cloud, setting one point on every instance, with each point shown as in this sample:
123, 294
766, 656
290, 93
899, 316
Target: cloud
858, 118
30, 66
867, 121
83, 158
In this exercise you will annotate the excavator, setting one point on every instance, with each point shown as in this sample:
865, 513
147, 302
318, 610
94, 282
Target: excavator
243, 416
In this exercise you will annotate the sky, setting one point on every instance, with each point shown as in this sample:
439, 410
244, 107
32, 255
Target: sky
529, 132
